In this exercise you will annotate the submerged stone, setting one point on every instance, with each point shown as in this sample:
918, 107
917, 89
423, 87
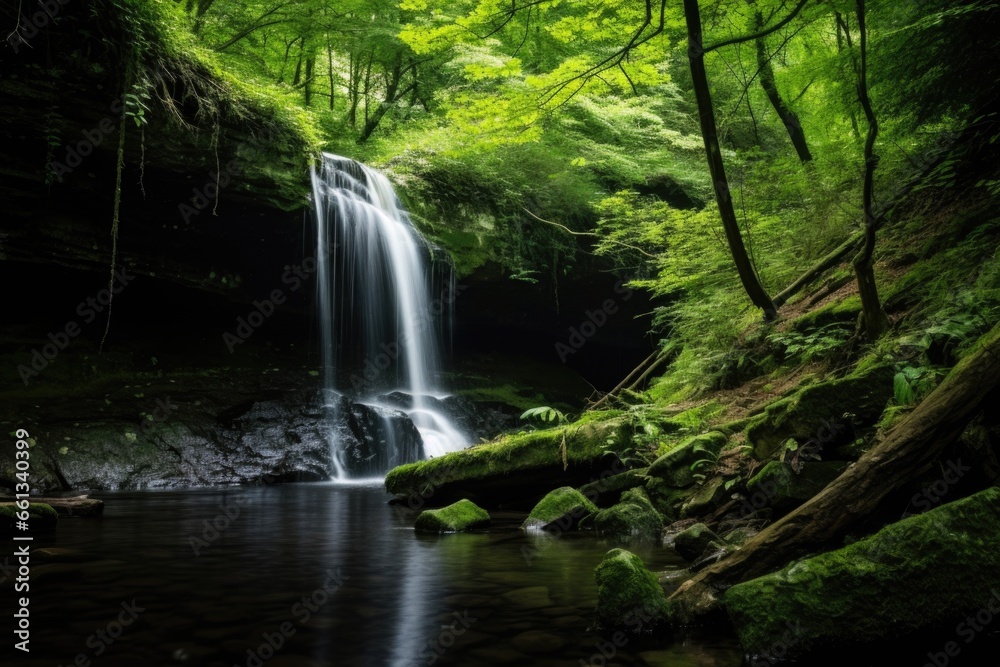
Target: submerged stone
456, 518
925, 572
629, 598
559, 510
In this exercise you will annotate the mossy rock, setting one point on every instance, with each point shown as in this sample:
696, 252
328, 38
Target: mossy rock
559, 510
845, 311
779, 487
633, 518
707, 498
667, 499
694, 541
826, 412
674, 467
516, 468
41, 518
923, 573
457, 518
629, 597
608, 491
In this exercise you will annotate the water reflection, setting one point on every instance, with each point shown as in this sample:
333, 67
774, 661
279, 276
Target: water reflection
255, 588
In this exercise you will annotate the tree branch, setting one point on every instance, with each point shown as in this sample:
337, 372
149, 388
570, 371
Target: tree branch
758, 35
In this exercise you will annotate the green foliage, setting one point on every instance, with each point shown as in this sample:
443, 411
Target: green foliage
545, 415
913, 383
803, 347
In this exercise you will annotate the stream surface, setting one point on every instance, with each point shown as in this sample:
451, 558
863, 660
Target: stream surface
377, 594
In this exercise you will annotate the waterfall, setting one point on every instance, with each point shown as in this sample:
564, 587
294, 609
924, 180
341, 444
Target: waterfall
385, 302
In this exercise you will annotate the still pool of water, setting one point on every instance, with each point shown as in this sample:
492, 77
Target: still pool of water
320, 575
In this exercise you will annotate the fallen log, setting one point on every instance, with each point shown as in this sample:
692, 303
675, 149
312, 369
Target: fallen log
77, 506
909, 450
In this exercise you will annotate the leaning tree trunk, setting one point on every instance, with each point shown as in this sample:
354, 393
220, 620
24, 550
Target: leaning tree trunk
767, 82
907, 451
716, 167
875, 320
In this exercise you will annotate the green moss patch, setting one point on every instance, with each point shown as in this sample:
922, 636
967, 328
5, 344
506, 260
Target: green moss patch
823, 412
926, 571
510, 456
674, 467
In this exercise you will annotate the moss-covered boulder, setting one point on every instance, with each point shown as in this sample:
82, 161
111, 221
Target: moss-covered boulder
667, 499
516, 468
559, 510
705, 499
608, 490
629, 597
692, 542
633, 518
779, 487
41, 517
925, 572
459, 517
825, 413
674, 467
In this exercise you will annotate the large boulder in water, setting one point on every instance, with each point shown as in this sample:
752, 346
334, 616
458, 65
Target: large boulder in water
378, 439
629, 597
457, 518
633, 518
559, 510
929, 572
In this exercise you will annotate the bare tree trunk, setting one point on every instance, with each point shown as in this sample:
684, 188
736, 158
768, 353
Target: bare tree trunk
875, 320
844, 36
284, 63
297, 79
353, 85
767, 82
329, 59
368, 86
310, 69
716, 166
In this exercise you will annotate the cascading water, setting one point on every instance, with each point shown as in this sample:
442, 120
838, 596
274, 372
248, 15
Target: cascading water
385, 303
